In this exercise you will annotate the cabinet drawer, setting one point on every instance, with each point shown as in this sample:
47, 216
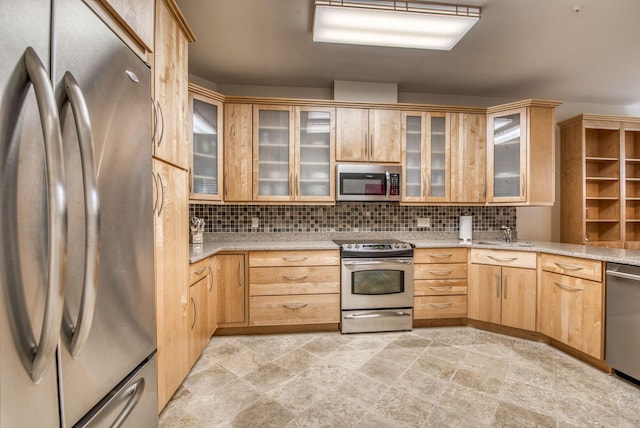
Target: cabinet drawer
521, 259
295, 258
296, 309
428, 307
440, 271
265, 281
440, 255
432, 287
199, 270
572, 266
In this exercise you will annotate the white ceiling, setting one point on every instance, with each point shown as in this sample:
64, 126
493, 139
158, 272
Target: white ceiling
518, 49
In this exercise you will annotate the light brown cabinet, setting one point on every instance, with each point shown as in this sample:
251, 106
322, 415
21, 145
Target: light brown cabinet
502, 288
198, 318
440, 283
368, 135
205, 144
136, 16
232, 290
238, 152
288, 288
571, 301
521, 153
601, 180
171, 265
468, 135
170, 82
426, 157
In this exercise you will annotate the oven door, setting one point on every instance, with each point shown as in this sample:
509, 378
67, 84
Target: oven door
377, 283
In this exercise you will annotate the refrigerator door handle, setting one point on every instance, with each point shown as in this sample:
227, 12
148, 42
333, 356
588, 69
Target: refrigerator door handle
37, 357
135, 391
79, 333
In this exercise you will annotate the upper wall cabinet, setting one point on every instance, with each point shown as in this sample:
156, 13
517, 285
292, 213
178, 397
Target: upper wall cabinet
238, 152
205, 138
426, 157
171, 86
293, 153
136, 16
520, 153
468, 134
368, 135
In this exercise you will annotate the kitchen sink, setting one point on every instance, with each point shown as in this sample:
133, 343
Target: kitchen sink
506, 244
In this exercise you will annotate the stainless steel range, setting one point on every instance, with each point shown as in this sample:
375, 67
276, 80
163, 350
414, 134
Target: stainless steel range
377, 285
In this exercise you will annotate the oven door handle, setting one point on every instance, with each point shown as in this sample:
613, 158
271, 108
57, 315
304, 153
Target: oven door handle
378, 314
377, 262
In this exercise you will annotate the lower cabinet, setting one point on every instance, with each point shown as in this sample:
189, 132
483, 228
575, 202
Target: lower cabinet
440, 283
571, 301
232, 290
288, 288
198, 318
502, 288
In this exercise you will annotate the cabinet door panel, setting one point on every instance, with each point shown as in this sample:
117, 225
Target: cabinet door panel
212, 298
238, 152
519, 298
352, 134
385, 128
205, 125
484, 293
198, 321
231, 289
468, 157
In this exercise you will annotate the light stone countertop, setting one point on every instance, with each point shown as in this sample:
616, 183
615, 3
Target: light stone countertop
209, 248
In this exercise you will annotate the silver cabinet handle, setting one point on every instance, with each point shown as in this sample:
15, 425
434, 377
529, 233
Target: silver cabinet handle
155, 121
190, 180
240, 275
504, 286
79, 333
161, 188
441, 288
497, 285
155, 186
377, 314
440, 256
199, 271
568, 267
294, 277
161, 116
503, 259
567, 287
294, 305
366, 146
210, 287
294, 259
36, 356
136, 390
441, 272
195, 313
440, 305
226, 183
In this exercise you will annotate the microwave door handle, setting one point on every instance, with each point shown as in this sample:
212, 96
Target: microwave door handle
388, 184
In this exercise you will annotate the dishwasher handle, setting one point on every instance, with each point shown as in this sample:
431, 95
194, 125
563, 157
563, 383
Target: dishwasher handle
623, 275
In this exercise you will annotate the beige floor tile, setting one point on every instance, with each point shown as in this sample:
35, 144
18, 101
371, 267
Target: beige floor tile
403, 408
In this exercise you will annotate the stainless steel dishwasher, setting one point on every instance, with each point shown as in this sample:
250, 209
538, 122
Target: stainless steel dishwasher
622, 338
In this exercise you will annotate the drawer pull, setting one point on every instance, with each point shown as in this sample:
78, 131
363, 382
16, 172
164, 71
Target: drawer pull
503, 259
567, 287
294, 259
199, 271
440, 256
294, 277
295, 305
440, 272
441, 288
568, 267
440, 305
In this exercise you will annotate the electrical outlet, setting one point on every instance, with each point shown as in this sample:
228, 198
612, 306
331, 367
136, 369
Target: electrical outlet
255, 222
423, 222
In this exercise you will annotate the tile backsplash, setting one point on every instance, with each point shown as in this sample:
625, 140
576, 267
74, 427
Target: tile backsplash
348, 217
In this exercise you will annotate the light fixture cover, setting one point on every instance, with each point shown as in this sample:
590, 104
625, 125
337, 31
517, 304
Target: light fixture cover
415, 24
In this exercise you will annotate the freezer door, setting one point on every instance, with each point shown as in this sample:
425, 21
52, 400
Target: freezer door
24, 241
109, 325
133, 403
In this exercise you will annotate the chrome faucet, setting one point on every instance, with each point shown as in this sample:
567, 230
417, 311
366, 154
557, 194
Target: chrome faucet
508, 236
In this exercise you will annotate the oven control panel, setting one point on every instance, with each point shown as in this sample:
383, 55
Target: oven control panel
378, 247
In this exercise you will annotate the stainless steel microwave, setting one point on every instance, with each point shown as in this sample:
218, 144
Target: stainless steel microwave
368, 182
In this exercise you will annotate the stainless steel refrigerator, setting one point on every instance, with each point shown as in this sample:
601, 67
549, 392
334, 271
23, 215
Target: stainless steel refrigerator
77, 302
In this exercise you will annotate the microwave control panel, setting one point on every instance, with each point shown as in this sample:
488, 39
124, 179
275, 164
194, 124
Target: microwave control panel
394, 185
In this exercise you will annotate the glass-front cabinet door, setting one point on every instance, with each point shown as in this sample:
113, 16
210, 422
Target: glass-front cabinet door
314, 176
273, 154
507, 156
426, 159
206, 147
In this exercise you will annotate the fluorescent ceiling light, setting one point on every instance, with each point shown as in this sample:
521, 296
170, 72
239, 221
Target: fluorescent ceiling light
408, 24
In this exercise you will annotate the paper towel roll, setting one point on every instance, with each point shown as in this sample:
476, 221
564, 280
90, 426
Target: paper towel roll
466, 222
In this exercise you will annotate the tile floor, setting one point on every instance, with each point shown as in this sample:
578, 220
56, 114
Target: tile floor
431, 377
